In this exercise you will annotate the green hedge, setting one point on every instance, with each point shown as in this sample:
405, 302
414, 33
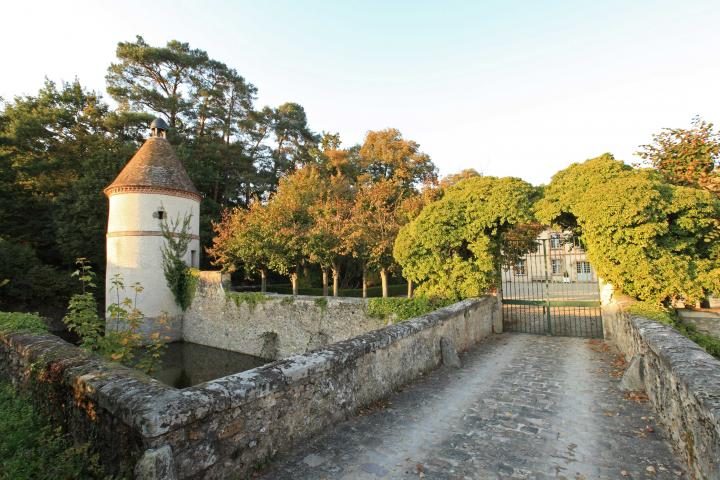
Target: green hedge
21, 322
668, 317
31, 448
376, 291
403, 308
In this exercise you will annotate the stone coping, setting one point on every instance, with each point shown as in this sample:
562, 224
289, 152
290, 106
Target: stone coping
193, 403
155, 409
693, 366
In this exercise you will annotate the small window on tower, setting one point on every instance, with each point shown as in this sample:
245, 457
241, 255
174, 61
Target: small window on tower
160, 214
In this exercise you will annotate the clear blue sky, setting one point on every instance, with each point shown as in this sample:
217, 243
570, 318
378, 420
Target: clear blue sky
519, 88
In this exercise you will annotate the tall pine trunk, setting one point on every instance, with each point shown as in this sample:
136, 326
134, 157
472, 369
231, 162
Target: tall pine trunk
336, 278
384, 281
325, 281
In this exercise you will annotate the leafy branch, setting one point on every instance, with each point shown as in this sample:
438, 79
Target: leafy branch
179, 277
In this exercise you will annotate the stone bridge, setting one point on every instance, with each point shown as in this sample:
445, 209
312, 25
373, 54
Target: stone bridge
398, 402
521, 406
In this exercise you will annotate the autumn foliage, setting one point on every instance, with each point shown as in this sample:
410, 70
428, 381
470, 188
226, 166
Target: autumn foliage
348, 205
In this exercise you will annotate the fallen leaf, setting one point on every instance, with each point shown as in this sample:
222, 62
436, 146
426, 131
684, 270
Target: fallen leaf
637, 397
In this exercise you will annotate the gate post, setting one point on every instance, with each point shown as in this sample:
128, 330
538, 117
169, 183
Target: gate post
548, 326
498, 317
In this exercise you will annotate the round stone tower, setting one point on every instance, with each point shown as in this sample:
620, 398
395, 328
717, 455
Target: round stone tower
152, 188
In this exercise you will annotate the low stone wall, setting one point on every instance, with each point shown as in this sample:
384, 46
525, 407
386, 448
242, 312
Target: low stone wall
275, 327
681, 380
92, 399
705, 321
227, 426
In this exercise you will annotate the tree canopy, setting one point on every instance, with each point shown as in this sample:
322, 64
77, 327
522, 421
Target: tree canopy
453, 249
653, 240
61, 147
687, 157
278, 196
334, 210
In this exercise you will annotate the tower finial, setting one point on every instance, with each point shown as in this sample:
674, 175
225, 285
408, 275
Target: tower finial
158, 127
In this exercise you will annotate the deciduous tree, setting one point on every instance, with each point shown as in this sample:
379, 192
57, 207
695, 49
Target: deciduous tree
386, 155
687, 157
651, 239
453, 249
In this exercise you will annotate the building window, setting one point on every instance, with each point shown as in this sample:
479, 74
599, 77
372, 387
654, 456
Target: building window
159, 214
583, 267
556, 266
519, 268
555, 240
193, 256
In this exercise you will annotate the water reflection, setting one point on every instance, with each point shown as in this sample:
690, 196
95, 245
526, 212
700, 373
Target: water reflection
186, 364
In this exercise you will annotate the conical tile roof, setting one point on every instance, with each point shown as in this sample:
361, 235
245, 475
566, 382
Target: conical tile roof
155, 167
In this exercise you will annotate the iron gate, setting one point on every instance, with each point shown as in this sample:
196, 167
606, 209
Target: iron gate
551, 288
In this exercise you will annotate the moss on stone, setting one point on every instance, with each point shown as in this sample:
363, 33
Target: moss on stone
321, 303
251, 298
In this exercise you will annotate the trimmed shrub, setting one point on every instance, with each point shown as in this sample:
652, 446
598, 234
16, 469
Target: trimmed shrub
399, 309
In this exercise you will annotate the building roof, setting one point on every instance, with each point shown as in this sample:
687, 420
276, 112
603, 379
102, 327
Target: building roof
159, 123
154, 167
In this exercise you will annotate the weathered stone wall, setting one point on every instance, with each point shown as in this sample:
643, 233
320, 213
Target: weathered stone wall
705, 321
280, 326
231, 424
92, 399
681, 380
227, 426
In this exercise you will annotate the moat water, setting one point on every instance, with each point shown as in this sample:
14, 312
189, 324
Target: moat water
186, 364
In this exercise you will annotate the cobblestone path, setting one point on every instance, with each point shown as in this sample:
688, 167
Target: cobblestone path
522, 406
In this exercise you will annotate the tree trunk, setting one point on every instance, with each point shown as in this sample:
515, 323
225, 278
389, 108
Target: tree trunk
384, 281
263, 280
336, 278
410, 288
325, 281
364, 282
294, 281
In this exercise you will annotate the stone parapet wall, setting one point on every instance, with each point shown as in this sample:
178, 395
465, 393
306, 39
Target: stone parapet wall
681, 380
227, 426
231, 424
705, 321
275, 327
92, 399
